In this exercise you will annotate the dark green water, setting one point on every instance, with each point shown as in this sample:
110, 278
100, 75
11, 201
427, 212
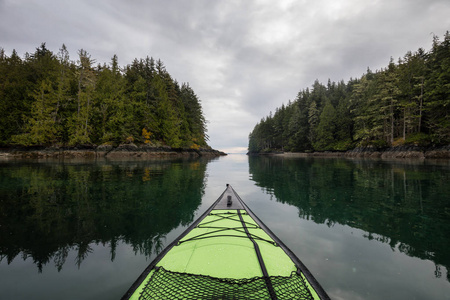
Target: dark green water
367, 229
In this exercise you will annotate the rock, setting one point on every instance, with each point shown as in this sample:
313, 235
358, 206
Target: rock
105, 148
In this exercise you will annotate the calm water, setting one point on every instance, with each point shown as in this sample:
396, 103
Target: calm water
367, 229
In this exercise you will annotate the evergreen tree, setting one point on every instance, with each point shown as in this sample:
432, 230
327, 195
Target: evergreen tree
15, 98
343, 120
41, 127
168, 128
385, 101
411, 74
116, 114
437, 91
64, 92
194, 116
79, 126
313, 121
326, 128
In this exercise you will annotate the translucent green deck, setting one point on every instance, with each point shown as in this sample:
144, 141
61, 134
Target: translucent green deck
219, 247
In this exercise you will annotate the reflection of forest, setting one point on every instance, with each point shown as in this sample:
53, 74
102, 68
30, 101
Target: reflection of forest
405, 205
47, 210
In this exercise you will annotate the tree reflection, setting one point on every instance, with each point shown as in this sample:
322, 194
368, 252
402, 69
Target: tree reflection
50, 209
403, 204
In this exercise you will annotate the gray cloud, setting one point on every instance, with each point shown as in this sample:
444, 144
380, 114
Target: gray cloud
243, 58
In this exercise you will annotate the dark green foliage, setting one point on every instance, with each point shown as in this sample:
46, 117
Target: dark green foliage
47, 99
326, 128
406, 103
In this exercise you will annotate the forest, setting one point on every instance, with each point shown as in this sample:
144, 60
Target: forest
46, 99
406, 103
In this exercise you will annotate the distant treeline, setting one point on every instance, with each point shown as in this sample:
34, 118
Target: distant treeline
47, 99
405, 103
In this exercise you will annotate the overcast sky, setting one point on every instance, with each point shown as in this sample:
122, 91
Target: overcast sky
242, 58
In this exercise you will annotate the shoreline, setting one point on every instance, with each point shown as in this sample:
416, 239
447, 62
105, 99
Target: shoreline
106, 151
411, 152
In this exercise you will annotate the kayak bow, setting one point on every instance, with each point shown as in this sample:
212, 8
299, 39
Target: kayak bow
227, 253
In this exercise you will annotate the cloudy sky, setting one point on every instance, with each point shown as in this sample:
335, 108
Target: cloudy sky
242, 58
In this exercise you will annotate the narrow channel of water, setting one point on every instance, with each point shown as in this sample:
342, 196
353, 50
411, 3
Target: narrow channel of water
367, 229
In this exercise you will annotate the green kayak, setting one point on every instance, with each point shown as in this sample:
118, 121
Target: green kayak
227, 253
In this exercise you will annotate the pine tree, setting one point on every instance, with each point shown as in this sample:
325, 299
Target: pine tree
313, 121
43, 129
79, 126
116, 114
326, 128
167, 120
15, 99
411, 74
387, 99
437, 91
193, 116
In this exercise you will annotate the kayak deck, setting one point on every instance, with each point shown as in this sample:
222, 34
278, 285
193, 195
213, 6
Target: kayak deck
227, 254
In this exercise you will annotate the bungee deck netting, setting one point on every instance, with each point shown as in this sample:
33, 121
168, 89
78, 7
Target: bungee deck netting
164, 284
227, 253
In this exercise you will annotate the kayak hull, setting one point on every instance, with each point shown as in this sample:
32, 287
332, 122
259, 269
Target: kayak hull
228, 253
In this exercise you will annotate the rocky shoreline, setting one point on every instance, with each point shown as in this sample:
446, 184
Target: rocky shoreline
108, 151
408, 152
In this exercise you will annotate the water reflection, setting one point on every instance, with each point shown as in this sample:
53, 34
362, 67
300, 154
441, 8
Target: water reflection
50, 209
403, 204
